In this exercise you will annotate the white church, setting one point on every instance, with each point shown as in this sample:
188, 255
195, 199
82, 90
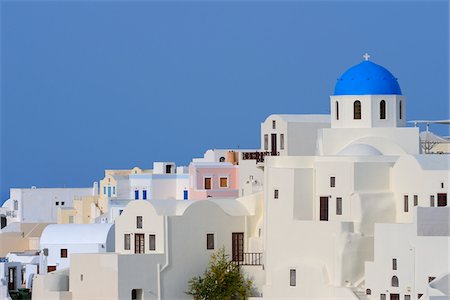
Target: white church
350, 208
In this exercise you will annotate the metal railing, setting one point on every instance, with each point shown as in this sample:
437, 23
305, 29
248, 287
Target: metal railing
248, 259
258, 155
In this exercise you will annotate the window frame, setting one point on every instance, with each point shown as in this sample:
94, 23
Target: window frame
357, 110
63, 253
210, 183
339, 206
127, 241
220, 182
337, 110
394, 264
292, 277
281, 141
139, 222
332, 181
266, 142
382, 110
405, 203
210, 241
276, 194
150, 237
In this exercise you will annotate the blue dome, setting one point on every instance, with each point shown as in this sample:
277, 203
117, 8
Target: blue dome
367, 78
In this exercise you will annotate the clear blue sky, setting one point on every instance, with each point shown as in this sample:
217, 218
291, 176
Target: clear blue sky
87, 86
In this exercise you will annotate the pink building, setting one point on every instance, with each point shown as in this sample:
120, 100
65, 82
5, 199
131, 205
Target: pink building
213, 179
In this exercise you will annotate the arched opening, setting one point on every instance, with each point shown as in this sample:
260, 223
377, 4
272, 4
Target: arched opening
337, 110
394, 281
382, 109
3, 222
400, 110
357, 110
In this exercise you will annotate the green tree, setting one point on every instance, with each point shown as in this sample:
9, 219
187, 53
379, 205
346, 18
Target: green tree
223, 280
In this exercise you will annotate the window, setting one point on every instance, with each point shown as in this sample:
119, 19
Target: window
126, 241
152, 242
81, 277
405, 203
368, 292
394, 281
223, 181
431, 278
274, 124
120, 211
222, 159
292, 277
144, 194
139, 222
382, 296
416, 200
16, 205
168, 169
382, 109
207, 183
210, 241
337, 110
407, 297
338, 206
266, 142
114, 190
70, 219
394, 264
400, 110
442, 185
357, 110
136, 195
275, 194
104, 190
282, 141
62, 203
57, 203
419, 296
432, 200
64, 253
332, 181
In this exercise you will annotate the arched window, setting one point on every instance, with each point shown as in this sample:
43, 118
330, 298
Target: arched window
357, 110
382, 109
337, 110
400, 110
394, 281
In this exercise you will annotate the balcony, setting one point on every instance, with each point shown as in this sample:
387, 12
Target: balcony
248, 259
258, 155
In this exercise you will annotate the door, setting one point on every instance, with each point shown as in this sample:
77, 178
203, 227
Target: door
237, 246
273, 141
2, 222
139, 243
442, 199
207, 183
395, 297
109, 191
323, 208
185, 195
12, 278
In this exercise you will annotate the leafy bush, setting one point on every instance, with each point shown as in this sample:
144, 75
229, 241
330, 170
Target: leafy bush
223, 280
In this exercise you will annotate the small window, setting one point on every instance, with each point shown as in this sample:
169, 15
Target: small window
419, 296
223, 181
407, 297
70, 219
368, 292
275, 194
144, 194
168, 169
337, 110
114, 190
394, 281
357, 110
382, 296
332, 181
416, 200
16, 205
120, 211
81, 277
382, 109
292, 277
274, 124
152, 242
139, 222
394, 264
432, 201
126, 241
57, 203
338, 206
442, 185
62, 202
207, 182
136, 194
282, 141
222, 159
266, 142
405, 203
104, 190
64, 253
400, 110
210, 241
431, 278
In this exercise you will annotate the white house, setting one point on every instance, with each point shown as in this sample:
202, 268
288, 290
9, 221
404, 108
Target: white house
59, 241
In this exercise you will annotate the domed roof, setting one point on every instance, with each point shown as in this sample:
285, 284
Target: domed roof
359, 150
367, 78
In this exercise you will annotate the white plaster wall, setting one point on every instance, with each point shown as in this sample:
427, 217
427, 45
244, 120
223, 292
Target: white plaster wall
301, 138
250, 177
164, 187
182, 184
54, 252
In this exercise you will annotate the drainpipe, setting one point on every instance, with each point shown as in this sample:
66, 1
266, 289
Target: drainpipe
166, 251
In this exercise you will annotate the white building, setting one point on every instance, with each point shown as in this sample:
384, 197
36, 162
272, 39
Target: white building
60, 241
10, 278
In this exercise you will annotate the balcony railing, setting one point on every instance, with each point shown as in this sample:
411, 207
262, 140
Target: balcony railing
258, 155
248, 259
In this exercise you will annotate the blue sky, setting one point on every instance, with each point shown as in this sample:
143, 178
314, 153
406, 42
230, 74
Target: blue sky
87, 86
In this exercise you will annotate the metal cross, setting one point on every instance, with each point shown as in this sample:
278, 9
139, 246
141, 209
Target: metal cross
366, 56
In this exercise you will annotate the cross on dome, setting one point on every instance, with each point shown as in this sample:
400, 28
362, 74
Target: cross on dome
366, 56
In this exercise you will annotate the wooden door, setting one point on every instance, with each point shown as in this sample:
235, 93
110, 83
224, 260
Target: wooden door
395, 297
274, 144
442, 199
207, 183
12, 278
139, 243
237, 245
323, 208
